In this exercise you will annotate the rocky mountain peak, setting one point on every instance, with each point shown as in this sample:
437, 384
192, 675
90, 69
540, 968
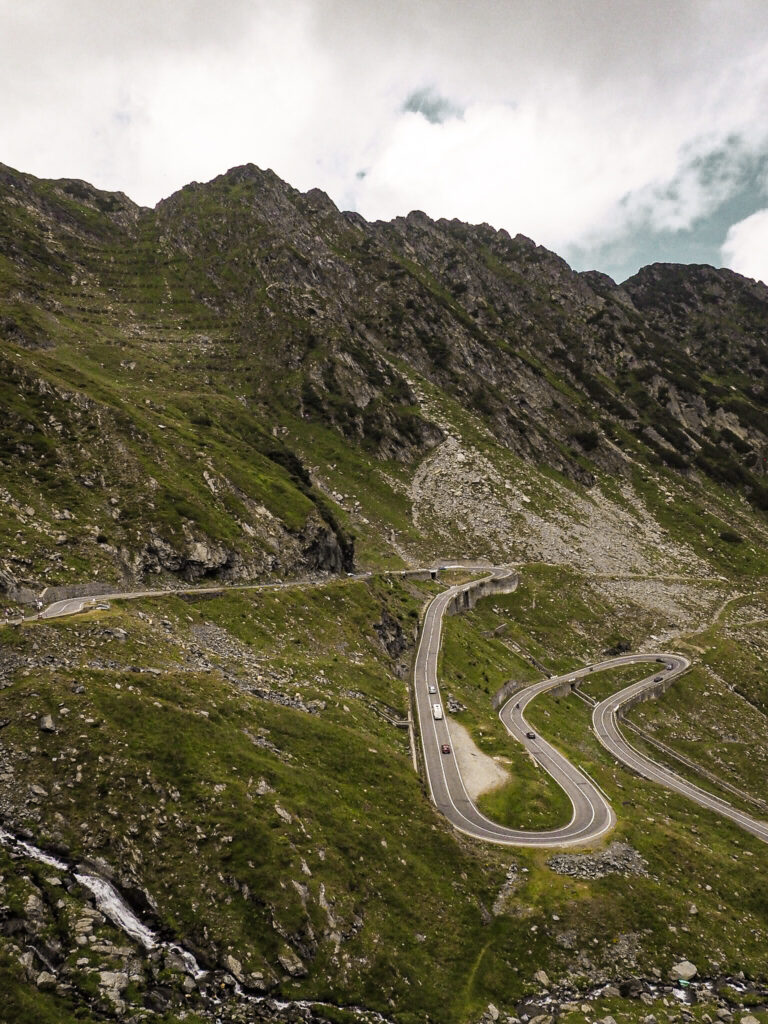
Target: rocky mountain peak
315, 322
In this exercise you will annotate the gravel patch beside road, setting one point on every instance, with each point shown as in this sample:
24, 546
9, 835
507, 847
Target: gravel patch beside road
479, 771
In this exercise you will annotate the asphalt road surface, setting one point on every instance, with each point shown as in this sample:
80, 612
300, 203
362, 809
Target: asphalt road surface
605, 724
592, 815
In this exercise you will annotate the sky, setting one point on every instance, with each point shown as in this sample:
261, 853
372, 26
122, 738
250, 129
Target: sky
615, 132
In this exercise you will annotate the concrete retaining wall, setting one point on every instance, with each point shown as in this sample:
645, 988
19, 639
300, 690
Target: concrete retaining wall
563, 690
466, 600
650, 693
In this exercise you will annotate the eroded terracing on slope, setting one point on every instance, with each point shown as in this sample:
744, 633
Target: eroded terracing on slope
246, 381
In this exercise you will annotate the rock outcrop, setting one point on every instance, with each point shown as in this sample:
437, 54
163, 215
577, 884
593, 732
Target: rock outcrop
283, 322
617, 859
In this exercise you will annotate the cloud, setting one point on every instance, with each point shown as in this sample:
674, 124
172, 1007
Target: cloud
580, 124
745, 249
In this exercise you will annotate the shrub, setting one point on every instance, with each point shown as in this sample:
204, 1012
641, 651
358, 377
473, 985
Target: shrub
730, 537
616, 645
588, 439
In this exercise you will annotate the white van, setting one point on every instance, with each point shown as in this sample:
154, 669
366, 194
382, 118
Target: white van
437, 711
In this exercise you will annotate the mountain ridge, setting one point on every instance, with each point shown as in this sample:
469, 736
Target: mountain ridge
245, 384
273, 315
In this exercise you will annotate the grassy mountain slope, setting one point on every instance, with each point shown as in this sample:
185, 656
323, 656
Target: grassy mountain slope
244, 380
229, 760
246, 384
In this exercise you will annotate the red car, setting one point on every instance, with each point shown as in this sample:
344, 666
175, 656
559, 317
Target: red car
444, 748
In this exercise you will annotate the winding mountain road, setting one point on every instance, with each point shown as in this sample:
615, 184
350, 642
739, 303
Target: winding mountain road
74, 605
592, 815
605, 725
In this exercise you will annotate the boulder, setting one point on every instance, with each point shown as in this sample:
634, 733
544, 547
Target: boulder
542, 978
234, 967
113, 982
291, 963
285, 815
47, 724
631, 989
684, 971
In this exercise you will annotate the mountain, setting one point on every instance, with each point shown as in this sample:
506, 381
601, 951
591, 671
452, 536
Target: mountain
190, 390
245, 385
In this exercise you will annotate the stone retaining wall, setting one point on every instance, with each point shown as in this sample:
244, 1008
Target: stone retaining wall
504, 692
70, 590
21, 595
465, 600
650, 693
511, 687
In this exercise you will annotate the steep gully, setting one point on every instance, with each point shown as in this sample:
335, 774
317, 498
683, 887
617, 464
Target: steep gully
592, 814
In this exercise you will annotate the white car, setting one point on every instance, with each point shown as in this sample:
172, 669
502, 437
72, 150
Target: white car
437, 711
432, 688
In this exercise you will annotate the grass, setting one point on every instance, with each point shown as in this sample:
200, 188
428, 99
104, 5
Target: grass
529, 801
601, 685
168, 780
120, 390
657, 823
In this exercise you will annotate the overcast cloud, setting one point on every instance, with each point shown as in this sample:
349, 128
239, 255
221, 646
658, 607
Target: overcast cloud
614, 132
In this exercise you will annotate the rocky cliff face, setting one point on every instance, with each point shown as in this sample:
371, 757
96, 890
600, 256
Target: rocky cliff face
189, 390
